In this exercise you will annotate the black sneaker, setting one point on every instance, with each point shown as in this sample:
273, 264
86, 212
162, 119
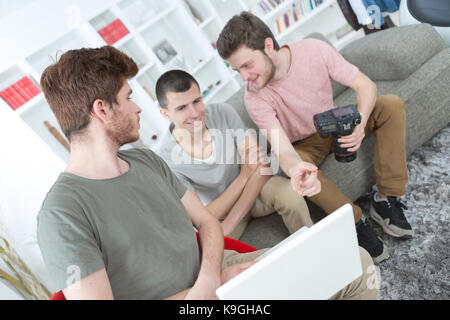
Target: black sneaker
389, 215
368, 239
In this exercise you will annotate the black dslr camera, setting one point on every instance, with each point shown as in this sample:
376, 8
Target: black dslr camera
339, 122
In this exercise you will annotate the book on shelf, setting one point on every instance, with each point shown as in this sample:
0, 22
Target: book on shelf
265, 6
27, 88
286, 20
19, 93
113, 32
295, 13
12, 98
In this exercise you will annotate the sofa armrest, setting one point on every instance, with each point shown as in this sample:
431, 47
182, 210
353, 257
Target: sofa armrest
395, 53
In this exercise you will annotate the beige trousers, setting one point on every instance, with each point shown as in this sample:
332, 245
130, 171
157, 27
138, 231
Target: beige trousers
387, 122
277, 195
363, 288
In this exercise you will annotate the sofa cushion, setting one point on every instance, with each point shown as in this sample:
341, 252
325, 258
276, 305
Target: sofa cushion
426, 95
394, 53
349, 95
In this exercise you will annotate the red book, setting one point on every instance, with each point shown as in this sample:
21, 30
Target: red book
14, 99
119, 28
124, 29
5, 97
9, 94
16, 86
113, 32
106, 34
29, 87
18, 97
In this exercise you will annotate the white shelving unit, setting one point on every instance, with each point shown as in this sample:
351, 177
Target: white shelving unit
162, 35
325, 18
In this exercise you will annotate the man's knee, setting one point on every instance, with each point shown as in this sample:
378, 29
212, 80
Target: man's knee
392, 105
278, 195
279, 192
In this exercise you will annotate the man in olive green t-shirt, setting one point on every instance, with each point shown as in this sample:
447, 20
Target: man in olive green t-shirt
118, 224
133, 225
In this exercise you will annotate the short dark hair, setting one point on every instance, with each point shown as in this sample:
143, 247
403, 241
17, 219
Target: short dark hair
244, 29
80, 77
173, 81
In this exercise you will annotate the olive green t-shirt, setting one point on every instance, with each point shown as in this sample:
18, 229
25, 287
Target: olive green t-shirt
133, 225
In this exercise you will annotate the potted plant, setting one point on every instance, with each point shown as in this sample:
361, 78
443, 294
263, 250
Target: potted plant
19, 277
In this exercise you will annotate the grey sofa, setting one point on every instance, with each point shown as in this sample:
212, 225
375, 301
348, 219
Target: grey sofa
412, 62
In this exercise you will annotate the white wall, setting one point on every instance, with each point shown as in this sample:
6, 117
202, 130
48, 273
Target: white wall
8, 6
28, 168
28, 28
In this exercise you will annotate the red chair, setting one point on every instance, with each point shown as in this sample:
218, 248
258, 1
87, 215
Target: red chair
58, 296
230, 244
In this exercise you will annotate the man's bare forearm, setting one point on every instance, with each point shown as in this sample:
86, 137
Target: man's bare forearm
288, 161
248, 197
223, 203
366, 95
366, 102
208, 279
212, 245
288, 158
211, 241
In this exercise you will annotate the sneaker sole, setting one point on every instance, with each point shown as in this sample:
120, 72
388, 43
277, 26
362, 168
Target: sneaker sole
383, 256
388, 228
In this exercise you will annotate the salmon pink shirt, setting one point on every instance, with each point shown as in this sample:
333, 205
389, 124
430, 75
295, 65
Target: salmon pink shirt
305, 91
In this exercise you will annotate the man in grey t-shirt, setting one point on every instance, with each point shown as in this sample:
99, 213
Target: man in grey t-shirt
213, 154
120, 224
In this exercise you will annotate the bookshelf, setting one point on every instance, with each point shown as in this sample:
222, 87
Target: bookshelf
158, 35
322, 16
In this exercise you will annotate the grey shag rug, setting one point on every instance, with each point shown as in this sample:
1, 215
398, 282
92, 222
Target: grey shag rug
418, 268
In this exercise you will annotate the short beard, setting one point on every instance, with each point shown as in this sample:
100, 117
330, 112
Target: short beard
268, 76
120, 132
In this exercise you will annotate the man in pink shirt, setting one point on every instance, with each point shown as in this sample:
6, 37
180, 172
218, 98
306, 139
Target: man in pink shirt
286, 86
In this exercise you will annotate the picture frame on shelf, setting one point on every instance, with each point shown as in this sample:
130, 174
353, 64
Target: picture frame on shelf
178, 62
165, 51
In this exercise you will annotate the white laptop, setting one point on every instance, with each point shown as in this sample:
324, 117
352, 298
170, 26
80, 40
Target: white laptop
312, 263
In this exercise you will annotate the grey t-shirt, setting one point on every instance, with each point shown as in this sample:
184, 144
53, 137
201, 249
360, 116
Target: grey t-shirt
134, 225
209, 178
